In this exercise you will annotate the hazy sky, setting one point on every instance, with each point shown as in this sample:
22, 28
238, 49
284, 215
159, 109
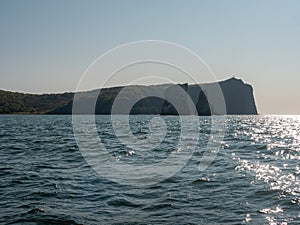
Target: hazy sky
45, 46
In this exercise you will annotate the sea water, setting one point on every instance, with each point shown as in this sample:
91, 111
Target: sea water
254, 177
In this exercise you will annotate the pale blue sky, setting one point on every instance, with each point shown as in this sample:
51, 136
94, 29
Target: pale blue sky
45, 46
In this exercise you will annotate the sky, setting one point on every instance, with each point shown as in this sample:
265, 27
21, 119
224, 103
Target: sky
45, 46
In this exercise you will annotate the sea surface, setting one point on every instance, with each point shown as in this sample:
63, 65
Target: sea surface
254, 178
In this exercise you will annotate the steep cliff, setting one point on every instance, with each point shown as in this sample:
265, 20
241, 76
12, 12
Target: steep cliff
237, 96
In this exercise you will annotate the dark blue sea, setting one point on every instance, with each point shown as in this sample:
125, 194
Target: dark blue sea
47, 178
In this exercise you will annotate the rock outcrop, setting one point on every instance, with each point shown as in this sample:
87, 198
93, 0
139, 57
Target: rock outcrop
236, 95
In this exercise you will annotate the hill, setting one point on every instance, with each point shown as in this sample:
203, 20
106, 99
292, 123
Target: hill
238, 98
20, 103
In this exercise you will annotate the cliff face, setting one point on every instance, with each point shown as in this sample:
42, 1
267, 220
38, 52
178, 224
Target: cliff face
238, 98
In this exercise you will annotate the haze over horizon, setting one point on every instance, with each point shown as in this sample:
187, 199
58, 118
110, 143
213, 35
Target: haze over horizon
47, 45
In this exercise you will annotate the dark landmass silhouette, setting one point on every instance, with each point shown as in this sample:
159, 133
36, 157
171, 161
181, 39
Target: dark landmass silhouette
238, 99
20, 103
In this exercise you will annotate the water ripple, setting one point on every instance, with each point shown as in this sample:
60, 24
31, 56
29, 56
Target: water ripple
253, 180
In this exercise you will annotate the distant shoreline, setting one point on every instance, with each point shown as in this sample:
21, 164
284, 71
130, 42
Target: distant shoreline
243, 103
